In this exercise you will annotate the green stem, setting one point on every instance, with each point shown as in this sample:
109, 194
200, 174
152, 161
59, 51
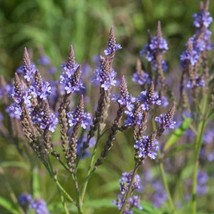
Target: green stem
53, 175
61, 196
78, 197
165, 183
59, 187
130, 187
91, 169
198, 144
62, 189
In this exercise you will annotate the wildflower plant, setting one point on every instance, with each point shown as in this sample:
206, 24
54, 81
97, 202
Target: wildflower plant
72, 132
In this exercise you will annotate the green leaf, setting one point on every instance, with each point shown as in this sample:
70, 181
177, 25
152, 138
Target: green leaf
6, 204
110, 187
36, 183
98, 203
7, 164
178, 133
148, 208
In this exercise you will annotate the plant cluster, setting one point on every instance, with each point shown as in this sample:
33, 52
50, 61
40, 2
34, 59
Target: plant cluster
44, 111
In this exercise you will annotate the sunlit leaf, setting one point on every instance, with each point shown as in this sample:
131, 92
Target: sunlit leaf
6, 204
177, 134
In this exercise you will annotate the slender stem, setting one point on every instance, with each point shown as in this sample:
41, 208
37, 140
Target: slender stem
137, 164
62, 189
63, 200
53, 175
78, 197
91, 169
59, 187
198, 143
165, 183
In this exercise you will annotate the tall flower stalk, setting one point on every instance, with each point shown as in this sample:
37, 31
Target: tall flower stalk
38, 108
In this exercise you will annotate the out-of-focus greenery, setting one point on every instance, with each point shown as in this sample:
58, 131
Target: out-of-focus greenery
56, 24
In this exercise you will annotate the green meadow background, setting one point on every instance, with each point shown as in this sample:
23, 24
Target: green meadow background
54, 25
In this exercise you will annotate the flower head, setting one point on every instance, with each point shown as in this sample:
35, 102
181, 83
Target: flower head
157, 46
112, 46
70, 78
14, 111
104, 74
202, 18
125, 181
149, 98
28, 69
78, 116
191, 55
145, 147
196, 82
24, 199
39, 206
133, 201
166, 121
71, 81
140, 76
125, 99
135, 116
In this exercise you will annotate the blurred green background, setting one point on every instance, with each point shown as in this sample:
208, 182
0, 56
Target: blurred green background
55, 24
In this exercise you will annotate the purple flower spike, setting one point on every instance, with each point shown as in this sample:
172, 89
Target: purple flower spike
140, 76
112, 46
28, 69
52, 123
157, 46
141, 79
79, 116
158, 43
166, 121
149, 98
104, 75
39, 206
133, 201
39, 88
125, 99
24, 199
134, 116
202, 18
71, 83
146, 147
70, 78
85, 119
125, 181
197, 82
70, 66
190, 55
14, 111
